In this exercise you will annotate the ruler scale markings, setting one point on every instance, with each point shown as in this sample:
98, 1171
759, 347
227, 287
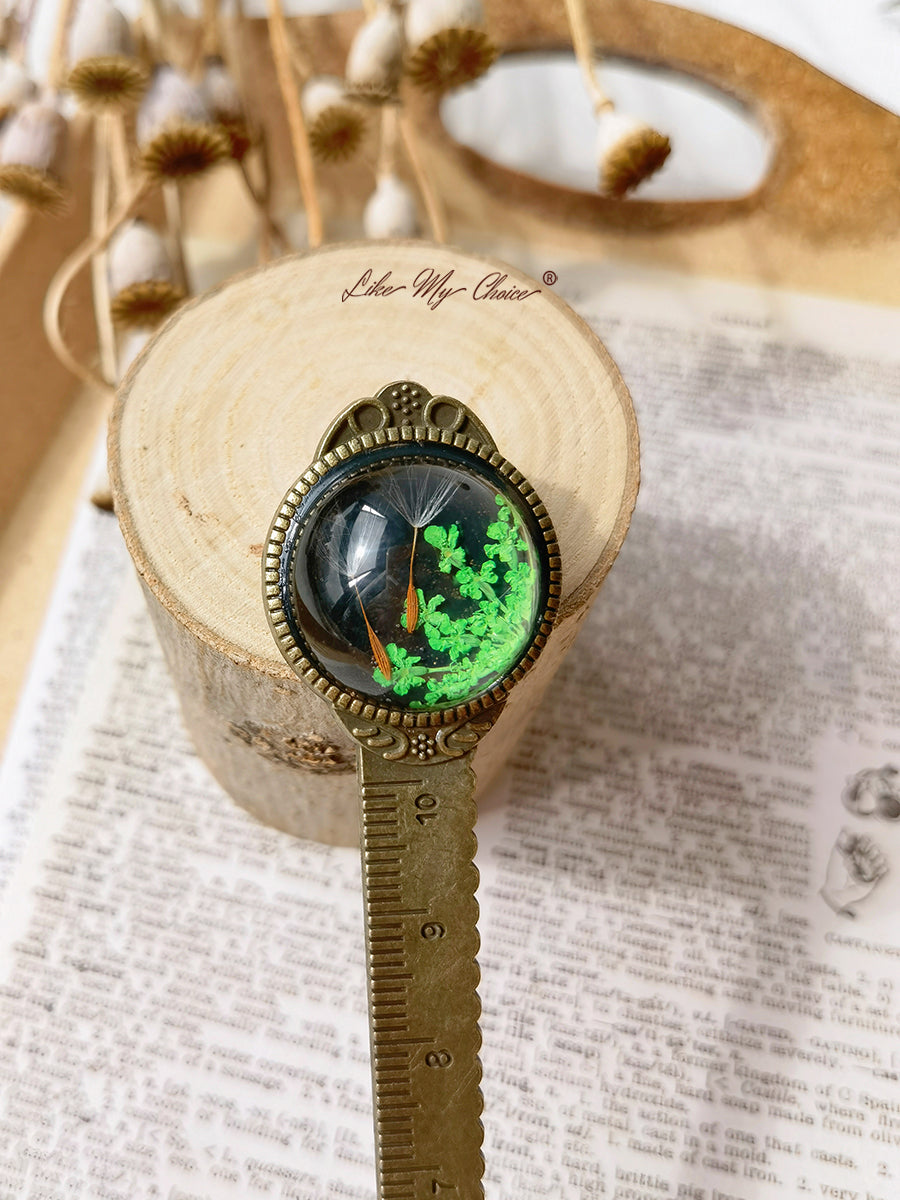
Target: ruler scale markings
420, 950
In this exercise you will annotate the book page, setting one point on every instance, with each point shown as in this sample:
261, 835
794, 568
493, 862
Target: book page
689, 876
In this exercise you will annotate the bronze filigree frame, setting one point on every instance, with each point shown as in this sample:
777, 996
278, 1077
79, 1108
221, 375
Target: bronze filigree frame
402, 412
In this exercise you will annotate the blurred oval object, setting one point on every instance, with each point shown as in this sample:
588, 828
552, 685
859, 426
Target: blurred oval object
105, 72
390, 211
375, 60
33, 151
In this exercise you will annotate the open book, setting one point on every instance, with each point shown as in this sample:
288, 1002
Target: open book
690, 875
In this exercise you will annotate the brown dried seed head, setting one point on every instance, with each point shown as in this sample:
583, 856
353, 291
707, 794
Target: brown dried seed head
35, 188
337, 133
107, 82
628, 152
183, 149
335, 124
450, 59
144, 304
105, 72
448, 45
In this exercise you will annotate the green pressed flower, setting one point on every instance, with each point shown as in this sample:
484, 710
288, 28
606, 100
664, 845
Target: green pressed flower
406, 673
474, 650
452, 557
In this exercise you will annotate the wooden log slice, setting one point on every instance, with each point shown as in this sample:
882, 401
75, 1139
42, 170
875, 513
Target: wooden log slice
223, 411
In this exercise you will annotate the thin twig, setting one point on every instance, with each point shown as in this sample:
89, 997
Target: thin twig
100, 192
281, 53
154, 24
56, 65
582, 43
62, 280
430, 198
211, 43
119, 157
171, 193
12, 228
261, 195
387, 146
269, 227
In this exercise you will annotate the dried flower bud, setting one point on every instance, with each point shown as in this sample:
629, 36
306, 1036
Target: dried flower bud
32, 155
375, 61
448, 45
15, 86
141, 279
226, 108
628, 152
335, 124
390, 211
175, 134
105, 71
98, 30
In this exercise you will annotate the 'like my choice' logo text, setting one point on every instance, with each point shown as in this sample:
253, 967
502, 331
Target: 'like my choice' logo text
434, 287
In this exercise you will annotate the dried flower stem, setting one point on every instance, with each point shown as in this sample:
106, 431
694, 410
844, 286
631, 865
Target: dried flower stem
269, 228
56, 67
387, 147
153, 20
430, 198
62, 280
171, 193
260, 194
12, 228
582, 43
290, 94
211, 42
100, 198
119, 158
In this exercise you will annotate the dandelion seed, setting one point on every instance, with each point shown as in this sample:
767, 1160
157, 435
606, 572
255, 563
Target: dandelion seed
353, 552
419, 495
412, 597
382, 662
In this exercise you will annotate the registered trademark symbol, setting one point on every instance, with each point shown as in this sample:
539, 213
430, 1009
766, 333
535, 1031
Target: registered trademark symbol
550, 277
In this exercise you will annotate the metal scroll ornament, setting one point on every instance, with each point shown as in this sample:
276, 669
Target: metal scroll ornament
412, 576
